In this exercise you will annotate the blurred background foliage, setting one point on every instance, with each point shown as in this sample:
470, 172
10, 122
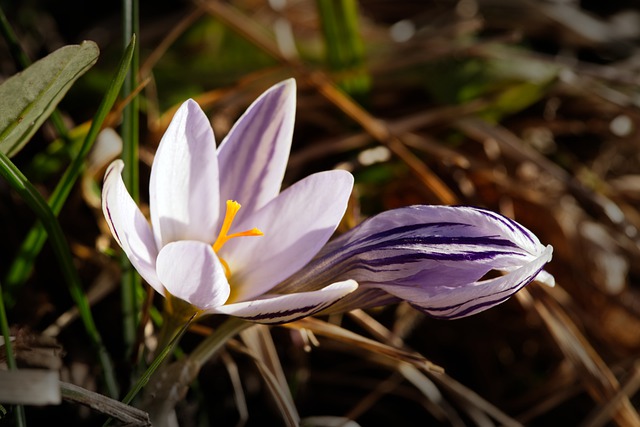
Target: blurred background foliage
529, 108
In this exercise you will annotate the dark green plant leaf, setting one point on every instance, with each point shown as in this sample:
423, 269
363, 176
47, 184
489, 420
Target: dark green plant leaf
29, 97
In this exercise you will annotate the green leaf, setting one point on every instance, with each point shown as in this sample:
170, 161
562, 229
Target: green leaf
29, 97
345, 49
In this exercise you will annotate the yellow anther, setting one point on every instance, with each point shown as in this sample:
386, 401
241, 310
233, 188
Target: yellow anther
232, 209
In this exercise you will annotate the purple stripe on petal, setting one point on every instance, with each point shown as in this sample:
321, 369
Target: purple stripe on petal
129, 226
476, 297
459, 247
496, 299
286, 316
412, 257
112, 225
411, 230
433, 240
260, 120
272, 103
509, 223
278, 309
253, 156
440, 233
417, 250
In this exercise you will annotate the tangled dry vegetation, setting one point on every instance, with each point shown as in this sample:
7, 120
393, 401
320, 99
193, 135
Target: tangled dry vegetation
527, 108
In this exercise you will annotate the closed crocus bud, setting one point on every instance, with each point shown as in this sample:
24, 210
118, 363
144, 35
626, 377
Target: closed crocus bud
433, 257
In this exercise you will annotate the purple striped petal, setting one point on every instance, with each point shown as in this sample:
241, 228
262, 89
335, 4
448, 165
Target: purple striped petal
128, 225
475, 297
183, 190
421, 253
278, 309
253, 156
191, 271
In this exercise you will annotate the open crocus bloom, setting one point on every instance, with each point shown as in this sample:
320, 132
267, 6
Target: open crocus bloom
222, 235
434, 257
225, 240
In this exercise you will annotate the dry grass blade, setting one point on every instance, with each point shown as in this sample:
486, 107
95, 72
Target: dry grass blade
598, 379
280, 393
468, 396
103, 285
260, 344
183, 25
405, 127
128, 415
471, 401
440, 408
328, 421
258, 339
379, 131
338, 333
603, 413
238, 394
368, 401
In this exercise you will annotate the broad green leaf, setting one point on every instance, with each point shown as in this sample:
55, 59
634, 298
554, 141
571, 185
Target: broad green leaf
30, 96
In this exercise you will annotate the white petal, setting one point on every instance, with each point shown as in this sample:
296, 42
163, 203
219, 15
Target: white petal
184, 190
253, 156
107, 147
296, 225
129, 226
276, 309
191, 271
546, 278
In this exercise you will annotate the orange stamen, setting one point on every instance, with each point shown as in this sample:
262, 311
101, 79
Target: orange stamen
232, 209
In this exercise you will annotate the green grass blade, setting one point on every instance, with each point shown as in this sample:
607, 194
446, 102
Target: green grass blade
20, 58
131, 280
344, 48
22, 266
4, 326
11, 360
36, 202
